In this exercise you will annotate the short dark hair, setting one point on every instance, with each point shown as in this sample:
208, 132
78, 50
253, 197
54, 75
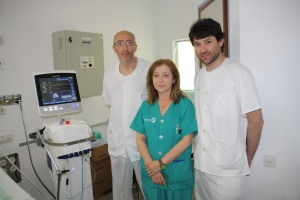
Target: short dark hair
176, 92
204, 28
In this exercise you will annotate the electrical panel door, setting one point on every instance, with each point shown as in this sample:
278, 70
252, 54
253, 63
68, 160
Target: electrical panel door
82, 52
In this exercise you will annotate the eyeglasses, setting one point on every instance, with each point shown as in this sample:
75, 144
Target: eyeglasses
127, 42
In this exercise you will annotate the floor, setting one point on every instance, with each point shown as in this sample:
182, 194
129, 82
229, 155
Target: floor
136, 195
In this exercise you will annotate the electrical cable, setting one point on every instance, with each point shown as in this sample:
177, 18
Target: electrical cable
17, 174
23, 173
30, 154
90, 164
88, 185
82, 168
67, 184
82, 177
92, 169
82, 185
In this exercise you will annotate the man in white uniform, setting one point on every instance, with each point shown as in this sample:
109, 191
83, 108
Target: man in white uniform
124, 89
225, 96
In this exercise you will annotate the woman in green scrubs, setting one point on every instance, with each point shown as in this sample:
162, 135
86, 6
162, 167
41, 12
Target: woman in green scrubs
165, 126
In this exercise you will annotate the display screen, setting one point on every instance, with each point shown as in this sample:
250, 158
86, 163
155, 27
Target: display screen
57, 90
57, 93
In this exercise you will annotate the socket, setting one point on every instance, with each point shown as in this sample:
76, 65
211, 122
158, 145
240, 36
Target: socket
9, 168
17, 99
2, 163
12, 159
1, 100
2, 111
1, 40
12, 99
8, 99
270, 161
5, 138
13, 168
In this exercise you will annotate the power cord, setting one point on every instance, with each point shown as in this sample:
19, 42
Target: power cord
83, 189
30, 154
67, 182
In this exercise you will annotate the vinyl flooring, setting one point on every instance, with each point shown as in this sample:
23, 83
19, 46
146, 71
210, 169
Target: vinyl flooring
136, 195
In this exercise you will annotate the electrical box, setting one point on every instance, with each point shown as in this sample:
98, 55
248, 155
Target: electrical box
82, 52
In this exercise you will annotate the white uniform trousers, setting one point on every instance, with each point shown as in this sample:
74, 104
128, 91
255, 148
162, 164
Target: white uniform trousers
122, 177
211, 187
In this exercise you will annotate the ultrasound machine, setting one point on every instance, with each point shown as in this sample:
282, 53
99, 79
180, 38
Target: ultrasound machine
67, 142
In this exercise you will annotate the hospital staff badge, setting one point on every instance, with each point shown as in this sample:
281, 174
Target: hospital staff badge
153, 120
150, 120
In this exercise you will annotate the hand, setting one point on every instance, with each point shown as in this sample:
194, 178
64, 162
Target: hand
152, 167
158, 178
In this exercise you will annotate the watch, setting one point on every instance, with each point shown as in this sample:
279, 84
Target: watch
162, 165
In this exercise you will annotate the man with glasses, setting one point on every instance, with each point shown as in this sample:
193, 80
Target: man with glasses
124, 89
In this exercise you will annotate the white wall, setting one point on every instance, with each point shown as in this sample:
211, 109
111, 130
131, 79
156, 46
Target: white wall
168, 15
26, 27
264, 36
269, 45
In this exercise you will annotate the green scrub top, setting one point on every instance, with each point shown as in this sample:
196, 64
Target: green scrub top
162, 134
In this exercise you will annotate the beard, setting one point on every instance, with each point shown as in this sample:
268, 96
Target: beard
214, 57
128, 59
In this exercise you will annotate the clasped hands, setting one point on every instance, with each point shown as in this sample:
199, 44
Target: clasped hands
153, 169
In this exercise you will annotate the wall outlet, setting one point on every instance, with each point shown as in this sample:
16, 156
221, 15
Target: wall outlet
9, 100
2, 163
5, 138
270, 161
12, 99
9, 168
17, 99
2, 111
1, 100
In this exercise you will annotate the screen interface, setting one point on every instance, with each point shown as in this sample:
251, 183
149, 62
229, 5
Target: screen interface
57, 90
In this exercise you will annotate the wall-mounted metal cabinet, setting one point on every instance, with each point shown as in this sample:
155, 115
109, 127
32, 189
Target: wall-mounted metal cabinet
82, 52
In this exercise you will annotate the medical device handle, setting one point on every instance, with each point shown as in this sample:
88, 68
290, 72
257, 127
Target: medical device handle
48, 152
58, 172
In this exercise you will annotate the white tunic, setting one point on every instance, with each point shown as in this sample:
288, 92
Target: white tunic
223, 97
124, 94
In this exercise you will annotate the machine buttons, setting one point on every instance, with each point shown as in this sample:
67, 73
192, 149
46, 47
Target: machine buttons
75, 154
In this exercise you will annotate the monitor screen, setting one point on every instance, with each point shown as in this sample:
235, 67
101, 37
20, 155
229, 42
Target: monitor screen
57, 92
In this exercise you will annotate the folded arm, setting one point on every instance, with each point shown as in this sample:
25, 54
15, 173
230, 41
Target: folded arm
154, 166
143, 149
